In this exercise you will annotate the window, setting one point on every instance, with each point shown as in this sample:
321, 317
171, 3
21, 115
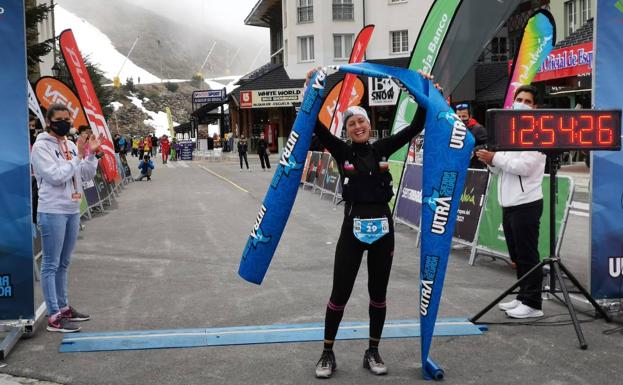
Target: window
585, 11
570, 17
285, 14
499, 49
305, 11
342, 46
306, 48
343, 10
399, 41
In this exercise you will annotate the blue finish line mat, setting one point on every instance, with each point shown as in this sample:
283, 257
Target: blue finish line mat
245, 335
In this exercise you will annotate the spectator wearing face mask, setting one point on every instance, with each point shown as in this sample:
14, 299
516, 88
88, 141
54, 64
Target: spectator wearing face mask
478, 131
520, 195
60, 168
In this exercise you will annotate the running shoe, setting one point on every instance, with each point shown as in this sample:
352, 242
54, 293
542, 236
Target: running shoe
372, 361
505, 306
62, 325
326, 365
71, 314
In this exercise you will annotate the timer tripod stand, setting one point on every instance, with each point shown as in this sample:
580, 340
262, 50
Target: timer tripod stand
556, 267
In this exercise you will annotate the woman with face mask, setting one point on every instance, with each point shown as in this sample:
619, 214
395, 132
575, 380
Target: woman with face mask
60, 167
367, 225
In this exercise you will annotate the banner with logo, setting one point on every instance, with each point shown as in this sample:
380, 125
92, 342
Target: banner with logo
538, 40
447, 149
50, 91
33, 105
491, 234
382, 92
275, 209
606, 270
331, 176
91, 193
17, 298
321, 170
90, 102
330, 102
347, 92
170, 123
470, 208
312, 171
409, 203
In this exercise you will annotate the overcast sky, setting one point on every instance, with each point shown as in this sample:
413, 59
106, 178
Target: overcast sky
228, 15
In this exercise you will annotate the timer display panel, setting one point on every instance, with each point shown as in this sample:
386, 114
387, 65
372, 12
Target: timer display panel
553, 129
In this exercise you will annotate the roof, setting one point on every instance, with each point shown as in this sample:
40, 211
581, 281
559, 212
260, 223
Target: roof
582, 35
206, 108
491, 81
184, 127
264, 14
274, 76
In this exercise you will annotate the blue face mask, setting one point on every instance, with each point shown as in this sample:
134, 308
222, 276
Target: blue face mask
521, 106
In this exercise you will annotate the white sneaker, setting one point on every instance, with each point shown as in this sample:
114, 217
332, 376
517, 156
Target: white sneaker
524, 311
505, 306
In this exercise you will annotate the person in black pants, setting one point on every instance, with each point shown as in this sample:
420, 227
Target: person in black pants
367, 225
242, 152
262, 151
520, 176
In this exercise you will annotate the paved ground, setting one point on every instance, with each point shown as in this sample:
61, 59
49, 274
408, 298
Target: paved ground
166, 256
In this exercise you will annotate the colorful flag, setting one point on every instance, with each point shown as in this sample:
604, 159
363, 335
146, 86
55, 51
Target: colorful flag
50, 90
538, 40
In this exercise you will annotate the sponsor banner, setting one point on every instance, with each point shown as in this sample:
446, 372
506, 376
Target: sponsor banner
186, 150
409, 205
103, 188
321, 170
538, 40
91, 193
275, 209
330, 103
17, 298
209, 96
347, 92
33, 105
382, 92
127, 172
606, 275
491, 232
312, 171
306, 167
470, 208
331, 176
90, 102
50, 91
170, 122
284, 97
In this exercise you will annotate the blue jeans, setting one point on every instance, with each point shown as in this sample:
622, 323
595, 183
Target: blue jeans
58, 238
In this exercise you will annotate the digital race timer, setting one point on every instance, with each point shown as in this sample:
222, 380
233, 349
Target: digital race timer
553, 129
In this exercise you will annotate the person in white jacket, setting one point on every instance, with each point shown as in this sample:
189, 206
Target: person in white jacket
60, 167
521, 197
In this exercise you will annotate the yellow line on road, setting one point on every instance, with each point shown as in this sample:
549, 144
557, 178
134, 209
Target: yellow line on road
225, 179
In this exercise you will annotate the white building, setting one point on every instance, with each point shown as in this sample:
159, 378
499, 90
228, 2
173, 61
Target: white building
321, 32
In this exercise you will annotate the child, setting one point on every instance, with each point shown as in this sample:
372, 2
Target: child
146, 165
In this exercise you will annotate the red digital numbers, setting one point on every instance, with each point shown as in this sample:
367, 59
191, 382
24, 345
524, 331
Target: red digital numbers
556, 130
601, 129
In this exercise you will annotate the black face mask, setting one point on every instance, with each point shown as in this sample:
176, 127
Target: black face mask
465, 121
60, 127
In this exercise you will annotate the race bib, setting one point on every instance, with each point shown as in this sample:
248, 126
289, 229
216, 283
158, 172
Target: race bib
370, 230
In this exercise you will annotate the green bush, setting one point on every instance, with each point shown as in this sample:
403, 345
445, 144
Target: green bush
172, 87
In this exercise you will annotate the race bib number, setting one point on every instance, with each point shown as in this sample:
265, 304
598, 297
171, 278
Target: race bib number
370, 230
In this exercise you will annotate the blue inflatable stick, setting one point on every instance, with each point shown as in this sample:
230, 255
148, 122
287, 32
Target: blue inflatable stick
447, 150
278, 202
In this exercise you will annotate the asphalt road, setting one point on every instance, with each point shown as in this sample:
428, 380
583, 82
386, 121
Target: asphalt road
166, 256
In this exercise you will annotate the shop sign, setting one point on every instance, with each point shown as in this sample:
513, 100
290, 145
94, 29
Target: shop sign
575, 60
284, 97
209, 96
382, 92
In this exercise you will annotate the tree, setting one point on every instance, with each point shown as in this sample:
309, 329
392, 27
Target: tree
171, 86
35, 50
196, 80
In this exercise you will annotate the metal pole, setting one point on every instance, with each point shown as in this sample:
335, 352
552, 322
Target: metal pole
129, 53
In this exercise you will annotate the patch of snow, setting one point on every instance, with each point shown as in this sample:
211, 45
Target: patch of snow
100, 50
115, 106
157, 120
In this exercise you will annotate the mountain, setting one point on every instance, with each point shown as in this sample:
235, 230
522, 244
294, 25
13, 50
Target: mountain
175, 46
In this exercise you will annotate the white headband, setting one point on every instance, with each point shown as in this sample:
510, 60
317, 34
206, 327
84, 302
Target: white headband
355, 110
